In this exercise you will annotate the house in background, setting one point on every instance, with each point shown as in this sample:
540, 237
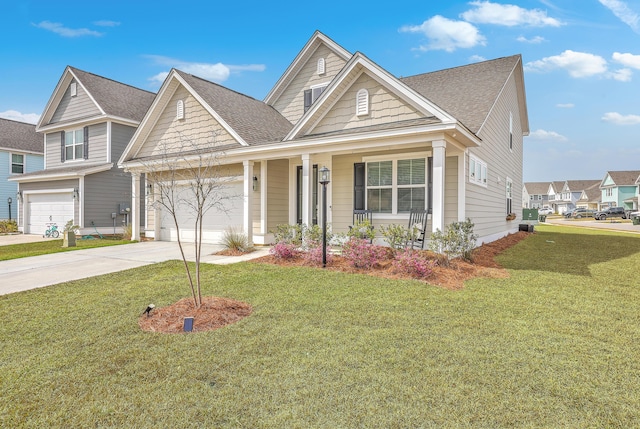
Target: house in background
571, 192
590, 199
535, 195
449, 142
21, 152
555, 194
86, 124
619, 189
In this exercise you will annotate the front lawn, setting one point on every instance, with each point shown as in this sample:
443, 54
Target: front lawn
554, 345
15, 251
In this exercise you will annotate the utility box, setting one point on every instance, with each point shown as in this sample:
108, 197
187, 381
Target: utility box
530, 215
526, 227
124, 208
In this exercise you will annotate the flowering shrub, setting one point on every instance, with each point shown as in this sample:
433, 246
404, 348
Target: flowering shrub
313, 255
283, 250
413, 263
361, 254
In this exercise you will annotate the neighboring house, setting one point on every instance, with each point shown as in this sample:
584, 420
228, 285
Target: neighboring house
450, 142
590, 199
535, 195
555, 194
87, 123
571, 192
21, 152
619, 189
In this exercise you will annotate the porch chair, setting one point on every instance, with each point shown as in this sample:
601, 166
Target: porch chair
419, 219
361, 216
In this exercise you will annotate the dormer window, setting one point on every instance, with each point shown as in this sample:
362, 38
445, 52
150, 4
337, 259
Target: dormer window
180, 110
320, 67
73, 89
362, 102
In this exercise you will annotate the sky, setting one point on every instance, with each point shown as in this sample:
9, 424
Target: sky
581, 57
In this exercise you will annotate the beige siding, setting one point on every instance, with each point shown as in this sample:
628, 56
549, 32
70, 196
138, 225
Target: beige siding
197, 130
291, 102
80, 106
384, 107
278, 193
487, 206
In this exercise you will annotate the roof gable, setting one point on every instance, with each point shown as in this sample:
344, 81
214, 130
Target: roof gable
620, 178
537, 188
20, 136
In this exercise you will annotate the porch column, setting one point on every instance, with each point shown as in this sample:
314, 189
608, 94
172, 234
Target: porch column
247, 218
307, 214
135, 206
263, 197
462, 190
439, 158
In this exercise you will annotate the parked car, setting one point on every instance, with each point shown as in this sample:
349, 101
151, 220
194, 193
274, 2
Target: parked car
611, 212
580, 213
569, 213
545, 211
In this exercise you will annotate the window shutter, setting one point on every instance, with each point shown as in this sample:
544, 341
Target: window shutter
86, 142
358, 186
307, 99
430, 184
61, 146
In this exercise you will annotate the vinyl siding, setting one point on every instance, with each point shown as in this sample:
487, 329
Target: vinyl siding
384, 107
197, 130
69, 108
102, 193
97, 146
10, 189
291, 103
120, 137
278, 193
486, 207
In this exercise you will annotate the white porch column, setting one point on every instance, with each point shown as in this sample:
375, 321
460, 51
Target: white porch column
135, 206
247, 219
263, 197
307, 214
439, 158
462, 187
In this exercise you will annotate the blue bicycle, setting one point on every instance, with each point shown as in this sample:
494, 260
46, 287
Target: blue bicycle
52, 231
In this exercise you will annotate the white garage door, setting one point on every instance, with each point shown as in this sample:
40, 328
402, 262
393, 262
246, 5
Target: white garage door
43, 209
214, 222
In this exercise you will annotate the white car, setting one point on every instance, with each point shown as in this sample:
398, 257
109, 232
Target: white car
545, 211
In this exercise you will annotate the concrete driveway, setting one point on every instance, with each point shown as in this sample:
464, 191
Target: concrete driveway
45, 270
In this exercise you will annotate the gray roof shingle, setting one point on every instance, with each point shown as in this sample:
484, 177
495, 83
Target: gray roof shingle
624, 178
537, 188
20, 136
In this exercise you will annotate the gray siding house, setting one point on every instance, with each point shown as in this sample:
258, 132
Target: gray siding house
86, 124
448, 141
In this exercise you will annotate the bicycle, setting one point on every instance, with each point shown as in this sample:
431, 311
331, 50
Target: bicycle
52, 231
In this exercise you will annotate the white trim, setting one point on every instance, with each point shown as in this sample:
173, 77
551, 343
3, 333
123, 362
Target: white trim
483, 180
462, 186
52, 175
80, 201
109, 141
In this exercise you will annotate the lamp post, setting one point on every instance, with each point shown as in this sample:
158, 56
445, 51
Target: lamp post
325, 174
9, 201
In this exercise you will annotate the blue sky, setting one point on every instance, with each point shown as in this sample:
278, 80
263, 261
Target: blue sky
582, 58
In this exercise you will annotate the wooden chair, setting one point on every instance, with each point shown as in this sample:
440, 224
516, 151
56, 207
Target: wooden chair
362, 216
417, 218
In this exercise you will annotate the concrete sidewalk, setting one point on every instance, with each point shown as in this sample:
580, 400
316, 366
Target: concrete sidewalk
45, 270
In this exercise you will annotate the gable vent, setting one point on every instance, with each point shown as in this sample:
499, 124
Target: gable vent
73, 89
180, 110
320, 68
362, 102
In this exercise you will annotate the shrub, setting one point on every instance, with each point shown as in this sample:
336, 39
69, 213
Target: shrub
363, 230
127, 232
457, 241
413, 263
286, 233
235, 240
70, 227
362, 254
313, 255
398, 235
8, 226
312, 236
283, 250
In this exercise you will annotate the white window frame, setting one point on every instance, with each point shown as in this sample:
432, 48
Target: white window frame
608, 192
509, 194
11, 163
362, 102
73, 144
478, 171
317, 90
394, 182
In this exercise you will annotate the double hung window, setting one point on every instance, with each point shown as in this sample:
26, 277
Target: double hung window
397, 185
17, 163
74, 144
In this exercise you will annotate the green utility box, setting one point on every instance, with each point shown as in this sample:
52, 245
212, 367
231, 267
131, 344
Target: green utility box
530, 215
636, 220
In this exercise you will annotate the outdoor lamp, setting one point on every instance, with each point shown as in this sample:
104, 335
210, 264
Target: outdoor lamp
9, 200
325, 175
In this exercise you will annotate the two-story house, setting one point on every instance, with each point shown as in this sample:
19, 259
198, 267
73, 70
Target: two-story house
619, 189
535, 195
571, 192
21, 152
448, 141
87, 123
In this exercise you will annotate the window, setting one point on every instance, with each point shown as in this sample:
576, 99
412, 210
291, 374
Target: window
477, 171
510, 130
509, 185
608, 192
17, 163
74, 144
396, 186
180, 109
362, 102
320, 66
311, 95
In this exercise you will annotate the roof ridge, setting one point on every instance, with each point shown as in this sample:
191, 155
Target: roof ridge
461, 66
110, 79
18, 122
221, 86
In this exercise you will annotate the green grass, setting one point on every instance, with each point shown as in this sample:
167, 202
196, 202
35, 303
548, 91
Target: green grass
554, 345
15, 251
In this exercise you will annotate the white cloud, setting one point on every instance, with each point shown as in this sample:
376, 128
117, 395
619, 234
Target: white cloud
543, 135
618, 119
508, 15
534, 40
445, 34
577, 64
106, 23
623, 13
217, 72
477, 58
622, 75
628, 60
566, 105
30, 118
63, 31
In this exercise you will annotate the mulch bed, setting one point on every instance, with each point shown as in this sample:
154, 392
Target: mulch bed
217, 312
